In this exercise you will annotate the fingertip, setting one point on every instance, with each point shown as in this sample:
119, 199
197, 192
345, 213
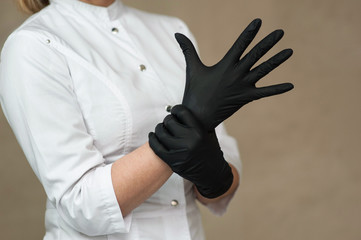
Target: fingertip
167, 123
286, 53
280, 32
254, 25
151, 139
183, 115
287, 87
151, 135
291, 86
167, 118
158, 127
181, 38
178, 35
154, 144
178, 110
257, 21
290, 50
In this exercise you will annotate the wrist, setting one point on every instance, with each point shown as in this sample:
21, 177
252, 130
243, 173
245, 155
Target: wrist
222, 182
230, 191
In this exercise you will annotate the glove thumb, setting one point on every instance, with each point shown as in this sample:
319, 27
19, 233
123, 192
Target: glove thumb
189, 51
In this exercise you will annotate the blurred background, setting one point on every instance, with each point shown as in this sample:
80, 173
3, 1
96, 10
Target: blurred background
301, 150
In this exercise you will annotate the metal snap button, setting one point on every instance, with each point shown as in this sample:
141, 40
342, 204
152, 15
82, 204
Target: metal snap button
174, 203
168, 108
142, 67
115, 30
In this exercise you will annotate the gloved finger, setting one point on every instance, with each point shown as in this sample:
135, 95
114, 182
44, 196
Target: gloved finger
170, 157
189, 51
174, 127
259, 50
186, 117
158, 148
246, 37
168, 140
268, 66
272, 90
162, 133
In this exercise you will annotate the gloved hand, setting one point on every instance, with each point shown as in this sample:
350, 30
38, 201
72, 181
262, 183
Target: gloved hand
192, 152
214, 93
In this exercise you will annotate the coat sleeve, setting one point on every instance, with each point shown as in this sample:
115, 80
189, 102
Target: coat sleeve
227, 143
37, 98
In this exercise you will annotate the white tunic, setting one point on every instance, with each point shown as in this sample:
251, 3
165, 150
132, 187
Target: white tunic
82, 86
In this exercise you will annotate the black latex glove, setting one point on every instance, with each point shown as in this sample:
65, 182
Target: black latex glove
192, 152
214, 93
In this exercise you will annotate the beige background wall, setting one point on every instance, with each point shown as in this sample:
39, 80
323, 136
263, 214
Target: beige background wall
301, 150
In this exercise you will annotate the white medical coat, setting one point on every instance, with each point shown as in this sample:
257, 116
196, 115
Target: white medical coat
81, 86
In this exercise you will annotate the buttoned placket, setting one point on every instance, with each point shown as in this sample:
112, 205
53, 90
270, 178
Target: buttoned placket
176, 202
145, 66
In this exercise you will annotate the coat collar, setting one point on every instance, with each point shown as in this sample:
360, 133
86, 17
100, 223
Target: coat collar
110, 13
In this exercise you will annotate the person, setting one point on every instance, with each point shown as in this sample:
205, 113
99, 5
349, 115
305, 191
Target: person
82, 84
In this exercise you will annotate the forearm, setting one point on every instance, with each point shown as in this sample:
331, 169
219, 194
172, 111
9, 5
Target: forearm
138, 175
231, 190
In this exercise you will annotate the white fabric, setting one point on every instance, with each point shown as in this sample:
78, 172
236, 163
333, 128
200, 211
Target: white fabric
73, 93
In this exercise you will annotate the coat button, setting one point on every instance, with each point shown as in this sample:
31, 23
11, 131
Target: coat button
115, 30
168, 108
174, 203
142, 67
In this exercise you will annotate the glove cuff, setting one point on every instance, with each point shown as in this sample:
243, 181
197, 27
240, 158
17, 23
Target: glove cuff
221, 183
